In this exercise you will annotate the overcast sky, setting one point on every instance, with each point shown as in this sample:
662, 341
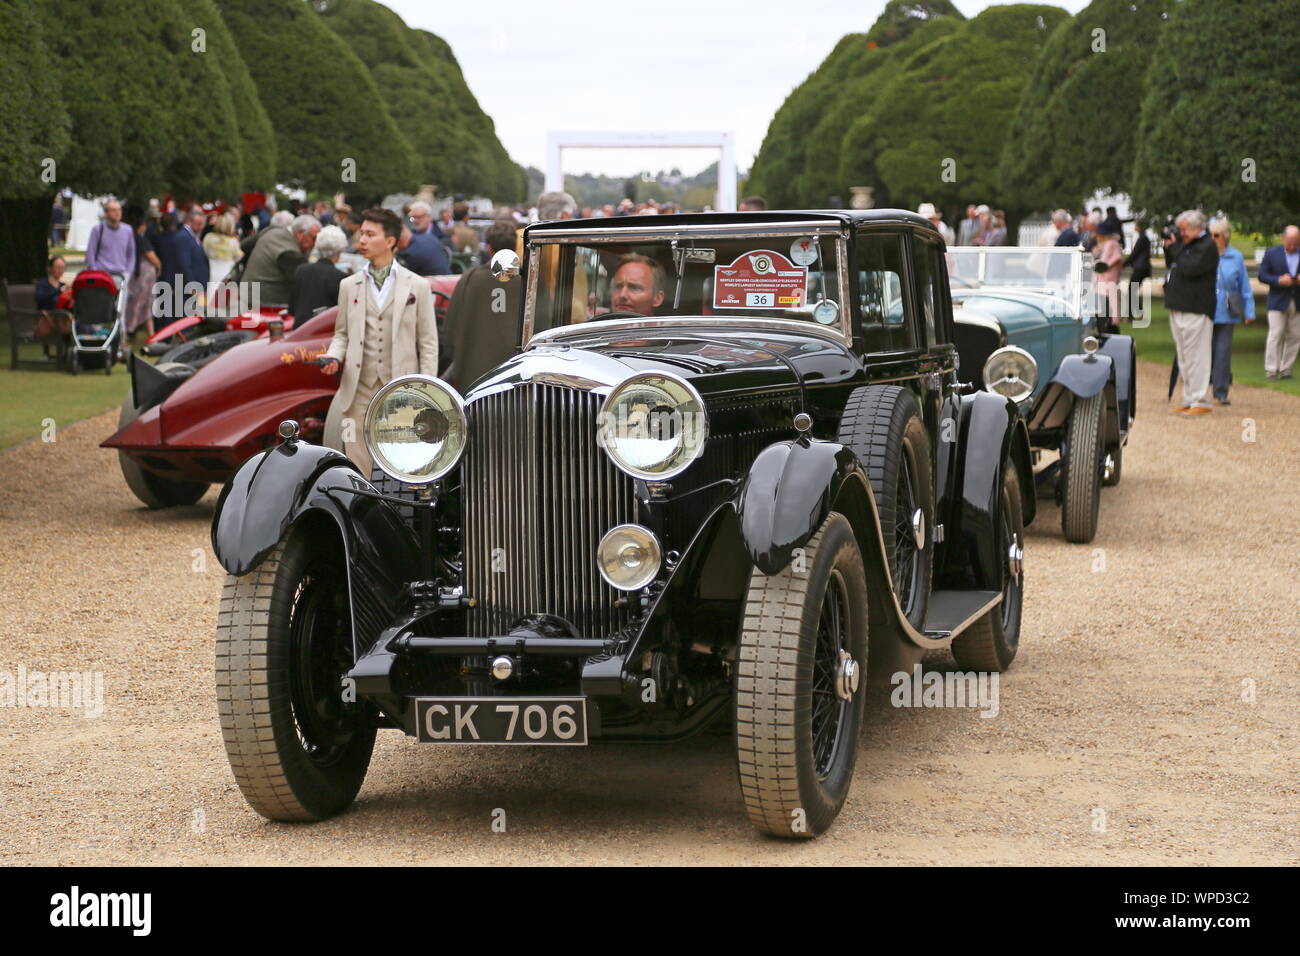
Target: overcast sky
663, 65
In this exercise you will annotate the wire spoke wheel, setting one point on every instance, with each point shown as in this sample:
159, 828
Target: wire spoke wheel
318, 635
829, 709
905, 550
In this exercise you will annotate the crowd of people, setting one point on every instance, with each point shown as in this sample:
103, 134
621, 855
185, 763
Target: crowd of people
295, 259
1207, 286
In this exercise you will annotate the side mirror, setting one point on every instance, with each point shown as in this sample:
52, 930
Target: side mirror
505, 264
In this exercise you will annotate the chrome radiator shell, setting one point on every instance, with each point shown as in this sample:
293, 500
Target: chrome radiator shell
538, 493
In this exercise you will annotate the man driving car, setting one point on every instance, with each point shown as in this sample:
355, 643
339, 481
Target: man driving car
638, 285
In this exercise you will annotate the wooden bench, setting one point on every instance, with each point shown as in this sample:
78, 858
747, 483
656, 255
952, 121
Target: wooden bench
20, 307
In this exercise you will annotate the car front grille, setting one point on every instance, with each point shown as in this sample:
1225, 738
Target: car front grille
538, 495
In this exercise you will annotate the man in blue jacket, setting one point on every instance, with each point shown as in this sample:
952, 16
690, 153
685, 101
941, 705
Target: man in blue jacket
193, 260
1278, 271
426, 255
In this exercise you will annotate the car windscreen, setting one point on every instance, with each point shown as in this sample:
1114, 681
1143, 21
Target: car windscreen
785, 277
1048, 270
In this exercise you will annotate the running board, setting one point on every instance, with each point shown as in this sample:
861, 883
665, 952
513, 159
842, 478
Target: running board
951, 612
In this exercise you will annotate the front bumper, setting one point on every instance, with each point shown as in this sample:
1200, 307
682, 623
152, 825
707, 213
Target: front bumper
616, 707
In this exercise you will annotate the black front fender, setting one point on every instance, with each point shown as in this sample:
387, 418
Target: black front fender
787, 495
277, 489
992, 433
263, 499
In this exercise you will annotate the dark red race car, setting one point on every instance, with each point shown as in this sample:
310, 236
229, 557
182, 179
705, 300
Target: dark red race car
181, 429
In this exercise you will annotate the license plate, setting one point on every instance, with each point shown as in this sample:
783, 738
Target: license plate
554, 721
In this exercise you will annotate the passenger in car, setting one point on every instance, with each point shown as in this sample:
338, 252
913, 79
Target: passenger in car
638, 285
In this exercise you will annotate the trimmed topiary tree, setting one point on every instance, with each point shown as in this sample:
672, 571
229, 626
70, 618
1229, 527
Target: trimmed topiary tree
332, 124
937, 129
1218, 123
255, 138
797, 164
35, 122
1073, 131
455, 143
148, 112
36, 129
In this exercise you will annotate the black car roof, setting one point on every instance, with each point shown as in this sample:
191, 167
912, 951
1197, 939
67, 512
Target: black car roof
850, 216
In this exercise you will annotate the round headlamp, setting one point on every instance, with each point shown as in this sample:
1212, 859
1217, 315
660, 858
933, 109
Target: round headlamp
628, 557
653, 425
415, 428
1012, 372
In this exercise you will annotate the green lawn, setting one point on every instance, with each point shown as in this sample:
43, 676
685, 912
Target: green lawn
1156, 344
31, 394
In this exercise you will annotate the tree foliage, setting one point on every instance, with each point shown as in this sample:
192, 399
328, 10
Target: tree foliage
331, 121
936, 130
1219, 117
1073, 132
34, 123
148, 113
798, 162
454, 141
256, 138
481, 146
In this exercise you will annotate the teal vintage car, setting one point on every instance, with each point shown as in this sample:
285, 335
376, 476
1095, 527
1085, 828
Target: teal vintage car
1026, 328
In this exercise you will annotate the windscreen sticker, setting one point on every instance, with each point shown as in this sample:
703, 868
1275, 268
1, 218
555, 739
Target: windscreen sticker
762, 279
803, 252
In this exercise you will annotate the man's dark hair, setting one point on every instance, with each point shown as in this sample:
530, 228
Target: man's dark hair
502, 234
169, 220
460, 211
755, 203
54, 259
658, 276
386, 218
1110, 210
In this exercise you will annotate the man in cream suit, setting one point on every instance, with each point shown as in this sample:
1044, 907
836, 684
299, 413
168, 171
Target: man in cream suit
385, 329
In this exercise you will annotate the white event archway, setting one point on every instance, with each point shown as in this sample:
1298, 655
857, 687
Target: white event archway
557, 141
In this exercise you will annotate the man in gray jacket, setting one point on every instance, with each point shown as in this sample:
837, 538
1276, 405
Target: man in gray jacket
277, 253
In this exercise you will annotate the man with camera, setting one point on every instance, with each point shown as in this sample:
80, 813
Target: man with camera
1193, 266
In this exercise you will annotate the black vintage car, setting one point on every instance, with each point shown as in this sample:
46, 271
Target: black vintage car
730, 473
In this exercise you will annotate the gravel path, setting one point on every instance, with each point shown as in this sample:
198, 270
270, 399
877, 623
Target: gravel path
1122, 736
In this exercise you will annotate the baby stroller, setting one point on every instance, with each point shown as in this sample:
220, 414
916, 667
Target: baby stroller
98, 307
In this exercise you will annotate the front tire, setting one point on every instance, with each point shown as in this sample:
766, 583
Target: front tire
1081, 470
153, 490
798, 704
990, 644
297, 749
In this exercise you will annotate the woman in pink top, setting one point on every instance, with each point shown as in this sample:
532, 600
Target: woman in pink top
1107, 263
